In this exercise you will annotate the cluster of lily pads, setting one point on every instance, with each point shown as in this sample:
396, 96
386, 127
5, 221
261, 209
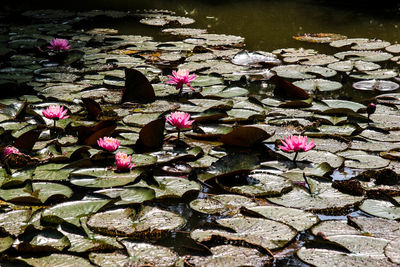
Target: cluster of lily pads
226, 191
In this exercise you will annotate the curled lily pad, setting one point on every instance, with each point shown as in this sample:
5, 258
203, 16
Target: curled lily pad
302, 72
318, 85
245, 136
149, 221
263, 233
322, 197
245, 58
49, 240
319, 37
222, 204
379, 85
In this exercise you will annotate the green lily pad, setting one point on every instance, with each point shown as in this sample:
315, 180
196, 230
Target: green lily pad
318, 85
263, 184
366, 162
166, 20
148, 222
5, 243
335, 228
229, 255
349, 65
57, 260
312, 60
170, 186
323, 198
14, 222
139, 119
375, 74
51, 172
392, 136
361, 43
302, 72
259, 232
103, 177
134, 195
370, 56
298, 219
72, 211
381, 208
45, 240
222, 204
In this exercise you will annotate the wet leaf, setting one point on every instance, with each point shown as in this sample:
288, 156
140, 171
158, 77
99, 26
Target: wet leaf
57, 260
245, 136
14, 222
361, 43
319, 37
318, 85
132, 195
302, 72
370, 56
137, 87
103, 177
287, 89
249, 59
152, 134
90, 135
381, 208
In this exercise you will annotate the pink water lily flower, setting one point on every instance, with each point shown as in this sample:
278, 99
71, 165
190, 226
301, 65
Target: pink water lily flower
180, 120
123, 161
9, 150
296, 144
180, 78
108, 143
55, 112
59, 45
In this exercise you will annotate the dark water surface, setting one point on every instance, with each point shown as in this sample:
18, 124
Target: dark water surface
266, 25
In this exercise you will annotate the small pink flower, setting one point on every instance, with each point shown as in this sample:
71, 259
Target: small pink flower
180, 78
108, 143
59, 45
9, 150
371, 108
179, 119
296, 144
55, 112
123, 161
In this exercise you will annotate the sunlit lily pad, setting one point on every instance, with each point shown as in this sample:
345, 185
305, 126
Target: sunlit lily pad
361, 43
14, 222
245, 58
71, 211
49, 240
365, 162
379, 85
298, 219
6, 243
334, 228
381, 208
302, 72
395, 48
134, 195
57, 260
260, 184
229, 255
349, 65
313, 60
103, 177
375, 74
370, 56
222, 204
166, 20
392, 251
318, 85
323, 198
212, 39
264, 233
149, 221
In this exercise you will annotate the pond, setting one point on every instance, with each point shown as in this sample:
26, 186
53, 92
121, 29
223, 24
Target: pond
288, 156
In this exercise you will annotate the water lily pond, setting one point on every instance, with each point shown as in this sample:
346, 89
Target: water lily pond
168, 144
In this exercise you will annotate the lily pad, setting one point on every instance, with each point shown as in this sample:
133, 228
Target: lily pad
349, 65
370, 56
319, 37
323, 198
318, 85
375, 74
379, 85
248, 59
57, 260
245, 136
381, 208
392, 251
134, 195
149, 221
361, 43
303, 72
166, 20
264, 233
103, 177
14, 222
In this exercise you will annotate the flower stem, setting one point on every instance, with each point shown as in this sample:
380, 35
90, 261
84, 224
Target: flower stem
179, 133
308, 185
295, 156
54, 127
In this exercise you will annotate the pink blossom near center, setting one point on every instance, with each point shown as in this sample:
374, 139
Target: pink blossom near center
123, 161
55, 112
179, 119
180, 78
296, 144
59, 44
108, 143
9, 150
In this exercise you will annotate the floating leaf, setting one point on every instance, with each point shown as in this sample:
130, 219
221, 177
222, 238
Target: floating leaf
375, 74
319, 37
103, 177
318, 85
381, 208
392, 251
93, 108
349, 65
302, 72
370, 56
57, 260
379, 85
132, 195
264, 233
287, 89
152, 134
90, 135
244, 58
361, 43
14, 222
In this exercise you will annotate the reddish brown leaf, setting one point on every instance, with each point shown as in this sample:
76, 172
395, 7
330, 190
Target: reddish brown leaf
137, 87
152, 134
27, 140
288, 90
245, 136
93, 108
89, 135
